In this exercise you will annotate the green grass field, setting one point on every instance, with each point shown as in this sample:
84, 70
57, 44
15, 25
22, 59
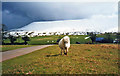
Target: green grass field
12, 47
53, 39
43, 40
81, 59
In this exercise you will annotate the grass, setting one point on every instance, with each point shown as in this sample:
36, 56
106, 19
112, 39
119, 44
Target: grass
12, 47
52, 39
18, 40
43, 40
81, 59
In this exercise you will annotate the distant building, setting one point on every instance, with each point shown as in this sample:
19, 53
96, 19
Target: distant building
99, 39
116, 41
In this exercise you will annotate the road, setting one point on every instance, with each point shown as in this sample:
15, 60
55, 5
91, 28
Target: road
18, 52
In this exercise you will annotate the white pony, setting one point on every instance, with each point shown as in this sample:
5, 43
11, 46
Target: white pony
64, 44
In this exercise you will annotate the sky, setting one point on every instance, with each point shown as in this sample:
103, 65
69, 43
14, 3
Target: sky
22, 14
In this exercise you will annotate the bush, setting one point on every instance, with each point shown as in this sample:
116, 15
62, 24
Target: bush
108, 38
25, 38
92, 36
12, 39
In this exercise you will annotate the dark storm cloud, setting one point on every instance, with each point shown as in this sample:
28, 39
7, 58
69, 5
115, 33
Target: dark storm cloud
18, 14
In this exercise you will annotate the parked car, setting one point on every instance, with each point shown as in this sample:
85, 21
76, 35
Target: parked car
77, 42
116, 41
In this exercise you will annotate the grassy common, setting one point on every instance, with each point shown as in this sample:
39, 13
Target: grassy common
52, 39
43, 40
12, 47
81, 59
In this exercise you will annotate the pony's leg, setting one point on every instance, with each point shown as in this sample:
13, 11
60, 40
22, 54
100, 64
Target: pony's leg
61, 51
66, 51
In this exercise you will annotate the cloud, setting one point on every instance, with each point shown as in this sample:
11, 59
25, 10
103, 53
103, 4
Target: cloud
99, 23
13, 20
18, 14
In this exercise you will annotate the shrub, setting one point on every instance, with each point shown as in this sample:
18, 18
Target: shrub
25, 38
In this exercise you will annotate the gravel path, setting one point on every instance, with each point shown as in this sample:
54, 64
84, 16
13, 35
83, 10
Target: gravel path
22, 51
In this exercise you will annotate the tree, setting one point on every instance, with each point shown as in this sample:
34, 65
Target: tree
3, 30
3, 37
67, 33
118, 35
30, 33
108, 38
18, 37
92, 37
12, 39
4, 27
25, 38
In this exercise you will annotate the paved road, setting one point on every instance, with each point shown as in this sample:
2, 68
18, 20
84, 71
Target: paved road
22, 51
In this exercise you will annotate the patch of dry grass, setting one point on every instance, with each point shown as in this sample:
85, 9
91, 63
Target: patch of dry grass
81, 59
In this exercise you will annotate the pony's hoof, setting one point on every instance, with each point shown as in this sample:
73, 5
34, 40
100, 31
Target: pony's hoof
65, 53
